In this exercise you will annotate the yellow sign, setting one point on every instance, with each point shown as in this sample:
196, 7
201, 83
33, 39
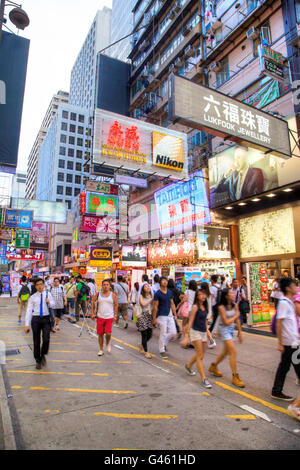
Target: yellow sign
167, 151
101, 264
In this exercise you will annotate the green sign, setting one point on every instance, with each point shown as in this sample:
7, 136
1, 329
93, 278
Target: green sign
1, 216
264, 95
102, 205
23, 239
272, 55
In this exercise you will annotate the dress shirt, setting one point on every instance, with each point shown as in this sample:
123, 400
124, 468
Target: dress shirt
34, 306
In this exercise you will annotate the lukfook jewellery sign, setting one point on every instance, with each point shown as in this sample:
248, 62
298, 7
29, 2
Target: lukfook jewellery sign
201, 107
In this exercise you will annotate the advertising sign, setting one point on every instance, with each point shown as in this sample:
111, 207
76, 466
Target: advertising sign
5, 234
120, 141
39, 237
13, 50
134, 256
105, 188
23, 239
213, 242
101, 256
209, 110
264, 95
93, 224
18, 219
239, 173
175, 252
271, 62
28, 255
180, 206
43, 211
129, 180
102, 205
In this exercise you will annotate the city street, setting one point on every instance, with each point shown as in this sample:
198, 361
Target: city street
124, 401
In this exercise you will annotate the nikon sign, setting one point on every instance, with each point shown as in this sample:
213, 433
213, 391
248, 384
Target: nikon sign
202, 108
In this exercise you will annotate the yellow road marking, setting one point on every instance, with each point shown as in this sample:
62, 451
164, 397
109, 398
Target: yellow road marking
123, 362
49, 411
42, 372
169, 362
11, 359
254, 398
134, 416
206, 394
82, 390
40, 388
249, 417
101, 375
88, 362
16, 386
59, 360
67, 344
10, 342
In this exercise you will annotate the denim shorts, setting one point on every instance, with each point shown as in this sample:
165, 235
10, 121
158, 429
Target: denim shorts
226, 332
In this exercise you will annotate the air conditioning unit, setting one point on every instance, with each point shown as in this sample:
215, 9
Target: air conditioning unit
177, 7
214, 67
189, 51
216, 23
178, 62
186, 30
137, 114
252, 33
171, 68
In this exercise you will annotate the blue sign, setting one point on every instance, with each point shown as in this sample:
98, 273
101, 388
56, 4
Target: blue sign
3, 251
180, 206
13, 67
18, 219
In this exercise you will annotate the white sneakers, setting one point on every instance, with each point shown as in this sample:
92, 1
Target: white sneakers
100, 353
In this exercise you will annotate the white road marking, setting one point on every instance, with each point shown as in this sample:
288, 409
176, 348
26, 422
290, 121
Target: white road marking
255, 412
118, 347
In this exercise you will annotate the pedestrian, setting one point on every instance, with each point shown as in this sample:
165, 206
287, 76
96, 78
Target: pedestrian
205, 278
70, 289
105, 306
197, 330
33, 289
236, 290
164, 312
294, 408
122, 291
38, 316
215, 291
186, 305
145, 280
177, 297
1, 286
60, 302
296, 300
82, 291
223, 283
229, 314
244, 305
133, 298
23, 297
47, 283
144, 323
276, 293
156, 284
205, 287
287, 332
93, 291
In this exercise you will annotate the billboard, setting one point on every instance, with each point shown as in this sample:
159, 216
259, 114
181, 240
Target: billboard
213, 242
101, 256
203, 108
29, 255
102, 205
103, 225
43, 211
136, 145
239, 173
134, 256
39, 237
13, 66
18, 219
131, 181
180, 206
174, 252
105, 188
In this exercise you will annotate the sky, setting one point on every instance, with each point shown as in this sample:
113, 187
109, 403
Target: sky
57, 31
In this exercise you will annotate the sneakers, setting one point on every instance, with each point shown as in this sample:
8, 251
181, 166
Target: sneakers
38, 365
108, 348
206, 384
237, 381
100, 353
163, 355
116, 325
214, 370
189, 370
294, 410
212, 344
282, 396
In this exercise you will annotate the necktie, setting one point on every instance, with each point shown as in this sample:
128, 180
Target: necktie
41, 306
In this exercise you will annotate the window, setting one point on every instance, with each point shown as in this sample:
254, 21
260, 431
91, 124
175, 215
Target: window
78, 166
64, 126
62, 150
59, 200
76, 191
81, 118
79, 154
77, 179
80, 142
223, 74
69, 203
71, 140
61, 164
61, 177
65, 114
70, 166
69, 178
264, 34
60, 189
72, 128
73, 117
251, 5
70, 152
80, 130
63, 139
68, 191
297, 6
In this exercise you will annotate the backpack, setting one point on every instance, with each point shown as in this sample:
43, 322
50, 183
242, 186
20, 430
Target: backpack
85, 290
274, 320
24, 293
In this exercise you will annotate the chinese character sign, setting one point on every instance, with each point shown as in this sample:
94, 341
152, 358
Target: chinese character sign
181, 251
18, 219
102, 205
105, 225
23, 239
218, 114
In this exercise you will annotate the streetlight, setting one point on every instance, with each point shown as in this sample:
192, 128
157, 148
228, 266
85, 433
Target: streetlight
17, 16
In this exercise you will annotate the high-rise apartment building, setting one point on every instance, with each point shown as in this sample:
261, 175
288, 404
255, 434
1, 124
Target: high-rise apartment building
83, 75
32, 168
19, 185
121, 26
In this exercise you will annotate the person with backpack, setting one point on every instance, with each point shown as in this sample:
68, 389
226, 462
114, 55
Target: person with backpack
82, 291
60, 302
23, 297
122, 291
285, 325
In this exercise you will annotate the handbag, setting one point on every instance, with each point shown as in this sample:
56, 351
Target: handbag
137, 311
183, 310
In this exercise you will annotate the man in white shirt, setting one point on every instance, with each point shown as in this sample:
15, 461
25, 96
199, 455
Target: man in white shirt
156, 285
38, 316
122, 291
60, 300
287, 331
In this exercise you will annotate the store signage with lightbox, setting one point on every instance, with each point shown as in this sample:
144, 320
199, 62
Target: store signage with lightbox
101, 205
43, 211
101, 256
134, 256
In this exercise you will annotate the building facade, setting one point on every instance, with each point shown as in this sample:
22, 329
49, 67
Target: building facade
121, 26
33, 161
19, 185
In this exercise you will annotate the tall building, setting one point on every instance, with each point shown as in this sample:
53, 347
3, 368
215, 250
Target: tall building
33, 161
19, 185
83, 75
121, 26
63, 154
5, 189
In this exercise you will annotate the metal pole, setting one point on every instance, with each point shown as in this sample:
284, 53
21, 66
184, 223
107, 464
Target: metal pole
2, 6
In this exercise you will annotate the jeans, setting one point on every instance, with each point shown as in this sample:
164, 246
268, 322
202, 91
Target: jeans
38, 325
167, 331
284, 367
146, 336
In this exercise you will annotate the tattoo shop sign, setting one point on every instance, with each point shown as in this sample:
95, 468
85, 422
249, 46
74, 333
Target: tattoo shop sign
203, 108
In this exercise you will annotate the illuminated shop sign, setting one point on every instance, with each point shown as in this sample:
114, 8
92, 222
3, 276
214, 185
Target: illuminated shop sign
271, 62
175, 252
100, 256
102, 205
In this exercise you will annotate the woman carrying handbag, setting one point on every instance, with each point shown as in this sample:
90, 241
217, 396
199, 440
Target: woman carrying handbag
143, 312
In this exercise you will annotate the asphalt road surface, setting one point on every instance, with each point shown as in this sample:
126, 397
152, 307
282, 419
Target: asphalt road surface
123, 401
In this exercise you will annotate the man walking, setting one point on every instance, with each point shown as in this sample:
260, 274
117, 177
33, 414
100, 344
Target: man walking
81, 294
122, 291
38, 316
70, 289
287, 331
105, 305
23, 297
60, 301
163, 311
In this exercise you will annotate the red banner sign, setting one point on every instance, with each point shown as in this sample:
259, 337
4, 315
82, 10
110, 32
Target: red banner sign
176, 252
28, 255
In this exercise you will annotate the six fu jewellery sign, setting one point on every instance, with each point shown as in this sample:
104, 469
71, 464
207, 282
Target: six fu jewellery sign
204, 108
